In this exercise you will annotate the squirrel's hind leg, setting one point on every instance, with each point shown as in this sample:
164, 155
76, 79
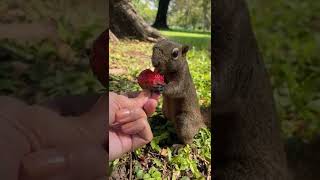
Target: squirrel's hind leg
187, 126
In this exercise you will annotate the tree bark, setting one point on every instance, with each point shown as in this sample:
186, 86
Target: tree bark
247, 141
126, 23
161, 18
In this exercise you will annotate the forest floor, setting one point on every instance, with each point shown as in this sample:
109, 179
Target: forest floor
162, 158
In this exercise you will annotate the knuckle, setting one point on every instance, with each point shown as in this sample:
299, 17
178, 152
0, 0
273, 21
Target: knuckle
149, 138
139, 113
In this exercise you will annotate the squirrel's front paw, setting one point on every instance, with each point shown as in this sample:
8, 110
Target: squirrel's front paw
173, 90
167, 90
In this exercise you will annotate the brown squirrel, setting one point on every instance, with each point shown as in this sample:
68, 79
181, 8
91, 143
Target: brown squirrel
180, 102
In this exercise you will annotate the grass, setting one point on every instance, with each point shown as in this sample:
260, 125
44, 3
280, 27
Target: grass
197, 40
160, 159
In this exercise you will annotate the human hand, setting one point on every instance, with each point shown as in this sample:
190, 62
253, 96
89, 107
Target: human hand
37, 143
128, 125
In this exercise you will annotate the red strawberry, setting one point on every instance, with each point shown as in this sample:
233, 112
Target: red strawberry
99, 58
151, 80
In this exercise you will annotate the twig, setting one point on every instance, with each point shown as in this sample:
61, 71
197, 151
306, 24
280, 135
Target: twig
209, 173
130, 172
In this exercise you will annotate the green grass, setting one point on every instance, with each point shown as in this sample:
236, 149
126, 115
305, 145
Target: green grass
197, 40
159, 159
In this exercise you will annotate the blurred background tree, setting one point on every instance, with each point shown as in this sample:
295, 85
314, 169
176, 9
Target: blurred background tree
182, 14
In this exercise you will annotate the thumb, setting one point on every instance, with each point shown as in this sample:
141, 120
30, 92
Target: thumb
150, 107
82, 163
140, 100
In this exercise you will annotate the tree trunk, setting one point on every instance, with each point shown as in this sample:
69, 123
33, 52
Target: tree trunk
247, 141
126, 23
161, 19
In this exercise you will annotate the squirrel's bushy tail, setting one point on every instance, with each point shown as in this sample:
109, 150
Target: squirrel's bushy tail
206, 115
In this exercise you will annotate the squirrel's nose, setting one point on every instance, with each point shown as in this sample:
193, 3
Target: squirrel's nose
155, 62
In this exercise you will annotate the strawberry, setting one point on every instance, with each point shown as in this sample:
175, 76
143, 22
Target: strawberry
153, 81
99, 58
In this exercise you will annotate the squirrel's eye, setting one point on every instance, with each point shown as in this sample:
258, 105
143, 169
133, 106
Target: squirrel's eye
175, 53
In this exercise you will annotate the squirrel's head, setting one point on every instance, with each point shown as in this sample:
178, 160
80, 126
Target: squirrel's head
169, 57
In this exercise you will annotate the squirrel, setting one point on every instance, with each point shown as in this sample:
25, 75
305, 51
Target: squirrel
180, 101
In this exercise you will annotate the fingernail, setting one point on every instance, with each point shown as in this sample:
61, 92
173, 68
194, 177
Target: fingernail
43, 163
58, 159
123, 113
54, 158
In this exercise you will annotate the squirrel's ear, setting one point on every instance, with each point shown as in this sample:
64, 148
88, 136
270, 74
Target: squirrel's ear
185, 49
